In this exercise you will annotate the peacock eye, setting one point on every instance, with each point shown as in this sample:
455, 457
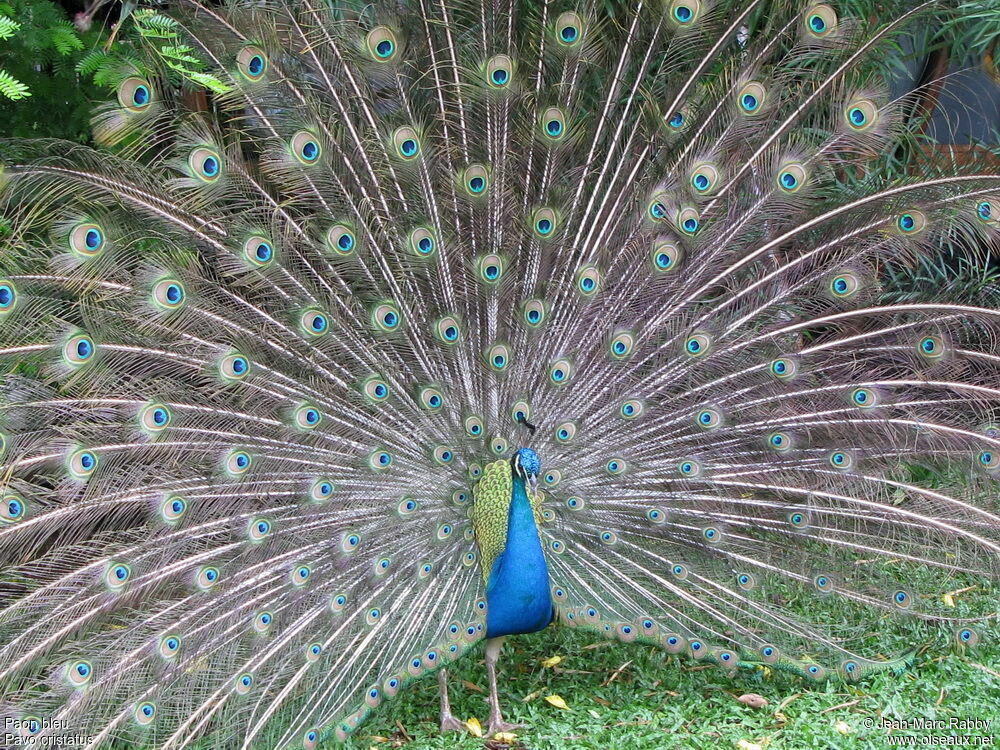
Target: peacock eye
475, 180
305, 147
135, 94
382, 44
685, 12
498, 71
676, 121
569, 29
553, 123
87, 240
861, 114
406, 143
688, 220
206, 164
751, 98
252, 63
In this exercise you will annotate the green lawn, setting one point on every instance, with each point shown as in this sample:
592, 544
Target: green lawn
635, 696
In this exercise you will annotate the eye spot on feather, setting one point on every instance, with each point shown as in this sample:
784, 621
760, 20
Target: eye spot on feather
234, 367
560, 372
819, 21
205, 164
499, 71
689, 468
252, 63
708, 419
87, 240
475, 180
350, 541
844, 285
861, 114
621, 345
791, 178
337, 603
688, 220
751, 98
169, 646
498, 357
543, 223
657, 516
135, 94
902, 599
609, 538
12, 509
565, 432
313, 651
262, 622
966, 637
712, 535
8, 297
698, 345
406, 141
569, 29
931, 347
746, 581
206, 577
79, 350
823, 583
341, 240
82, 463
841, 460
779, 441
666, 256
553, 124
499, 445
679, 571
237, 463
382, 44
173, 508
258, 251
533, 313
684, 13
386, 317
615, 466
321, 490
864, 397
380, 460
116, 576
704, 179
784, 368
575, 503
911, 222
588, 280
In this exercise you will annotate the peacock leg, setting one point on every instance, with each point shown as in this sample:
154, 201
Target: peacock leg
448, 722
496, 722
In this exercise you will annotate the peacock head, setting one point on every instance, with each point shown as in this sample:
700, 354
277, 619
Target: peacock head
528, 466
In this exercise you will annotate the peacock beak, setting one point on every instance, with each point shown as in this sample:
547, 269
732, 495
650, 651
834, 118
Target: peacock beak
533, 483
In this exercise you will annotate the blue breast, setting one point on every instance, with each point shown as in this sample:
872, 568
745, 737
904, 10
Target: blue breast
517, 593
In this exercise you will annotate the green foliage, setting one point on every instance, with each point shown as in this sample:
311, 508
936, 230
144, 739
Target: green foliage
41, 93
179, 58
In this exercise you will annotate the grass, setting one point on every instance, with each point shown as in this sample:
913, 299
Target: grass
635, 696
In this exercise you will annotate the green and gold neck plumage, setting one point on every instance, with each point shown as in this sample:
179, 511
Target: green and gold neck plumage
271, 353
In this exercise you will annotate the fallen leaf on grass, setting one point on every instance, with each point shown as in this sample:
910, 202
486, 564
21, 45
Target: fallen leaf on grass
753, 700
474, 726
557, 701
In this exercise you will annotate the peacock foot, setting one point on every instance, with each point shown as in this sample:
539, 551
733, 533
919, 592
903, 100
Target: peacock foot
450, 724
496, 724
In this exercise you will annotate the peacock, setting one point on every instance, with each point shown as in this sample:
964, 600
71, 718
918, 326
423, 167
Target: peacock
371, 331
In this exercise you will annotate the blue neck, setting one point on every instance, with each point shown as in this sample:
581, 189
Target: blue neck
517, 592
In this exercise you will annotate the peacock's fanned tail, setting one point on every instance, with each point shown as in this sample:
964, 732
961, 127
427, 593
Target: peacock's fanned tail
259, 350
